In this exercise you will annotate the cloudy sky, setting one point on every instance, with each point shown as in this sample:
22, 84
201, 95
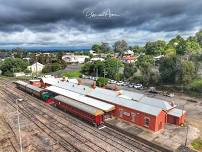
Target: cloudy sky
81, 23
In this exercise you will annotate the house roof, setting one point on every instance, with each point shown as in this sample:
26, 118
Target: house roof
81, 106
176, 112
38, 64
83, 99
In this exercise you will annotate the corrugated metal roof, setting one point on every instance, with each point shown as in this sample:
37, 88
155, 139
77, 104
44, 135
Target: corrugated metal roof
21, 83
123, 94
127, 103
34, 88
176, 112
81, 98
133, 95
29, 86
81, 106
156, 103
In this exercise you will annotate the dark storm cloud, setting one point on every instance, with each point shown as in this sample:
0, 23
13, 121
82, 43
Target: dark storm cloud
50, 15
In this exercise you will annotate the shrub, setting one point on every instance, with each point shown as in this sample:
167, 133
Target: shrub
101, 82
196, 85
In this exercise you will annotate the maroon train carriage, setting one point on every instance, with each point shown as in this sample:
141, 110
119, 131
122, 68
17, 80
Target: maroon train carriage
83, 111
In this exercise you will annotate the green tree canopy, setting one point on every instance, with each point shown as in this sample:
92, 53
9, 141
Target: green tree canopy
129, 70
11, 65
52, 67
112, 67
96, 48
168, 69
120, 46
187, 72
101, 81
155, 48
193, 47
105, 47
199, 37
145, 64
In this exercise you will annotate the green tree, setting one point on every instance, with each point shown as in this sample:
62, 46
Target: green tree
105, 47
193, 47
120, 46
19, 53
155, 48
145, 64
11, 65
168, 69
112, 67
181, 48
101, 81
129, 70
187, 72
199, 37
96, 48
52, 67
59, 55
138, 49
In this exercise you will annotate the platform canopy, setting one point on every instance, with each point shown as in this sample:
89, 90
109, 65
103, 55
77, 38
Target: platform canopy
78, 105
106, 107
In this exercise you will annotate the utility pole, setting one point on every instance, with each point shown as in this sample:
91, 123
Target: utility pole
186, 135
19, 129
36, 65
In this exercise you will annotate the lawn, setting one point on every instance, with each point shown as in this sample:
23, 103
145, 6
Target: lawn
197, 144
72, 74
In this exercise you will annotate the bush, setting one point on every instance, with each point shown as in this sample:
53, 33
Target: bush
196, 85
72, 74
101, 82
12, 65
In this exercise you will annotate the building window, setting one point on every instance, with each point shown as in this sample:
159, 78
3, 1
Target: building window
121, 113
146, 121
133, 117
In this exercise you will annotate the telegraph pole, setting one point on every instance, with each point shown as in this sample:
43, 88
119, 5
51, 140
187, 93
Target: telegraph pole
19, 128
36, 65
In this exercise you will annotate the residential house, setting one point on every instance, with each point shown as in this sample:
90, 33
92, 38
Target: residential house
36, 67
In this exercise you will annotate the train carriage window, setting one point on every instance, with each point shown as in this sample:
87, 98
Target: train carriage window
146, 121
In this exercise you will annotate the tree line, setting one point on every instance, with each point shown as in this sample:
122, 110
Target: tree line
182, 58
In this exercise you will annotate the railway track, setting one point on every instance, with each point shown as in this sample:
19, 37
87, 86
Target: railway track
117, 145
107, 135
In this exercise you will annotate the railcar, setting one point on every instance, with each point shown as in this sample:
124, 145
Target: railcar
33, 90
81, 110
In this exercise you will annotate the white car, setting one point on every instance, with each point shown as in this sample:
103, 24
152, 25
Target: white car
138, 86
130, 85
120, 83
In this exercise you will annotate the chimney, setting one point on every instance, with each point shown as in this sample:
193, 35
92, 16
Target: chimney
79, 81
93, 85
115, 88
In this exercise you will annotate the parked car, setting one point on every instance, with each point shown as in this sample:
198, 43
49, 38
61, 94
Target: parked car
120, 83
138, 86
113, 81
130, 85
152, 90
